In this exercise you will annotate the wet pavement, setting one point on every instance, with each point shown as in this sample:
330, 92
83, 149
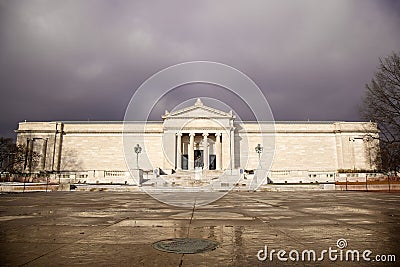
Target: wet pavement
119, 228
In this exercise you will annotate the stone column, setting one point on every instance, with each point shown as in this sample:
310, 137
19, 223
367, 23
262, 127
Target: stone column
179, 151
30, 155
232, 146
60, 143
26, 161
225, 150
218, 150
191, 152
44, 150
205, 151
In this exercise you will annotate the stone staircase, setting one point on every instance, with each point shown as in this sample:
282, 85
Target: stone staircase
189, 179
210, 180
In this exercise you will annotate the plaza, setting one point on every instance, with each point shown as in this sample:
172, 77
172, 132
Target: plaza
119, 228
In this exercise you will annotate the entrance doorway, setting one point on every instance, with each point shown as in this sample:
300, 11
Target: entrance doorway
185, 162
198, 158
212, 162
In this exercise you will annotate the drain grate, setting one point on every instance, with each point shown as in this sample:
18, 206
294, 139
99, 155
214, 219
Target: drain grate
185, 245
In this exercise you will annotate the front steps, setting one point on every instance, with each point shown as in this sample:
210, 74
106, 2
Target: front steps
209, 180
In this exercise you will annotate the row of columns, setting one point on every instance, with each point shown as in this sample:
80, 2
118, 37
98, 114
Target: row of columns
206, 155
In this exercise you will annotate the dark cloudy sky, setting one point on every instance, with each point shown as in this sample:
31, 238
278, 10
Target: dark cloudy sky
80, 60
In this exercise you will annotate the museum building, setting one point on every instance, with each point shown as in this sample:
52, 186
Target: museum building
203, 137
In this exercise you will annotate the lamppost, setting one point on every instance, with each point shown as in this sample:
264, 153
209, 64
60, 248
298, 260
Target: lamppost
137, 150
259, 150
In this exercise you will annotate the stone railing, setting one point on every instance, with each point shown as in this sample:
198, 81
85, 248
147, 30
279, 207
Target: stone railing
115, 173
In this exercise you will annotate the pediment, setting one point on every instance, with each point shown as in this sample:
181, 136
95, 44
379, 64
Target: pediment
198, 110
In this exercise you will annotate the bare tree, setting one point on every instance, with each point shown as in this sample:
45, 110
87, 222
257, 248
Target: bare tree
14, 158
382, 105
7, 148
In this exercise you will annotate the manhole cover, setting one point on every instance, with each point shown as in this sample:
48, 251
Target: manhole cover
185, 245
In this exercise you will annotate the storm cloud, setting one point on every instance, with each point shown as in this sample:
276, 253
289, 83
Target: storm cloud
83, 60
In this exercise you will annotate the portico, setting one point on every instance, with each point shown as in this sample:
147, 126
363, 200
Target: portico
203, 137
201, 149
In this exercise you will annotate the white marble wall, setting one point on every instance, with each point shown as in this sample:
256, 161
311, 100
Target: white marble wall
308, 146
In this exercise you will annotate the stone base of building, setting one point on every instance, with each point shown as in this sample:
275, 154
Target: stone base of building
187, 178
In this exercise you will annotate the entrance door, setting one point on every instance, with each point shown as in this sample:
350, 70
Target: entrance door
184, 162
212, 162
198, 158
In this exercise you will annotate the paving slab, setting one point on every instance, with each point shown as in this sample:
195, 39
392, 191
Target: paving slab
119, 228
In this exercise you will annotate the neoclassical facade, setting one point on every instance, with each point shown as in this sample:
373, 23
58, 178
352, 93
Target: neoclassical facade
203, 137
